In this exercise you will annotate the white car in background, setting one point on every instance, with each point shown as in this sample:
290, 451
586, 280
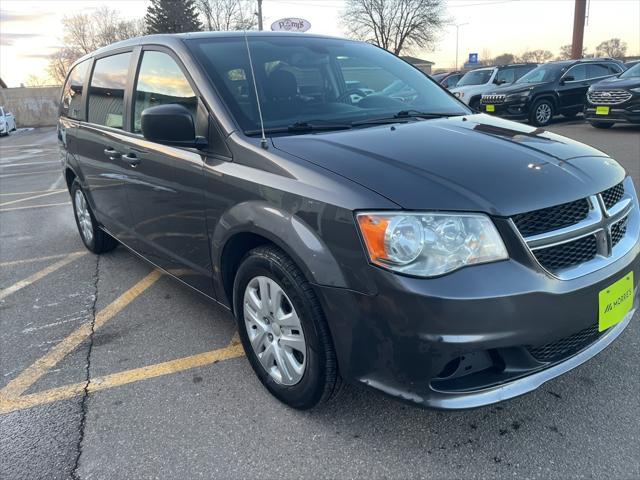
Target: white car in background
482, 80
7, 122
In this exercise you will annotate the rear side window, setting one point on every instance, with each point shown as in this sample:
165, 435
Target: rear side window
161, 81
595, 70
613, 68
106, 92
71, 104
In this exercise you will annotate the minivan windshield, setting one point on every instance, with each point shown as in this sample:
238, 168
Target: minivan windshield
305, 80
543, 73
475, 77
632, 72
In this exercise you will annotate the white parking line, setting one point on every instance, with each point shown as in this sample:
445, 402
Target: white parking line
35, 206
41, 172
6, 165
5, 292
31, 193
31, 198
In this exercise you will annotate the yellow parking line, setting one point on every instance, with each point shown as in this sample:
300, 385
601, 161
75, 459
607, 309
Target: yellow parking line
31, 374
5, 292
121, 378
32, 193
36, 259
31, 198
34, 206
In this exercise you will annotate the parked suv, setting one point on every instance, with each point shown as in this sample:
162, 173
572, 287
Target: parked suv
448, 79
473, 84
445, 258
614, 100
550, 89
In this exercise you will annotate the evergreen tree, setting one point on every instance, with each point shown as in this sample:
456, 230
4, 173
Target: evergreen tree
172, 16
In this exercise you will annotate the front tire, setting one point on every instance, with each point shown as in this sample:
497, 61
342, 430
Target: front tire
603, 125
541, 113
283, 330
94, 238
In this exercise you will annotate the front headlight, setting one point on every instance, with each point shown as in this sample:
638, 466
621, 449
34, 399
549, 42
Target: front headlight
459, 94
515, 96
635, 90
429, 244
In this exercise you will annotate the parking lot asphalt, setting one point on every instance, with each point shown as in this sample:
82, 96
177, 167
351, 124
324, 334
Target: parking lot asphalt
109, 369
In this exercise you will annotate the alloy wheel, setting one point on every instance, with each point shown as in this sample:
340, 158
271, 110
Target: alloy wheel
543, 113
83, 216
274, 330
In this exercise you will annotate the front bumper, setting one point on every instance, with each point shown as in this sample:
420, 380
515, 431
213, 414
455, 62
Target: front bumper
513, 110
628, 112
463, 340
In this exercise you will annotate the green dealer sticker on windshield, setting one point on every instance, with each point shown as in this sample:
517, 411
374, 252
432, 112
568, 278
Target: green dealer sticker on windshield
615, 302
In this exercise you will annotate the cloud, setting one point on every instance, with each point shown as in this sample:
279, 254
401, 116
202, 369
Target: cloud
7, 39
7, 16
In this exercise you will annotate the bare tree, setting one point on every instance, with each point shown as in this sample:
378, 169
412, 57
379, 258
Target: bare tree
86, 32
227, 14
537, 56
613, 47
395, 25
565, 52
504, 59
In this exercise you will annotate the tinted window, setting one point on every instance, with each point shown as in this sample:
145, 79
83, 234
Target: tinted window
452, 81
106, 92
161, 81
579, 72
476, 77
305, 79
506, 75
520, 71
71, 104
613, 68
632, 72
597, 70
543, 73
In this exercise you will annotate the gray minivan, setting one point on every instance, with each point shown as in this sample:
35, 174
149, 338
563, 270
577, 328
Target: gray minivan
446, 258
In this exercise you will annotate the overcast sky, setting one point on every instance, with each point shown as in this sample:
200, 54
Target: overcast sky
31, 30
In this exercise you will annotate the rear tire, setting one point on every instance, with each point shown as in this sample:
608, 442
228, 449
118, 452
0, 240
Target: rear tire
267, 317
94, 238
541, 113
603, 125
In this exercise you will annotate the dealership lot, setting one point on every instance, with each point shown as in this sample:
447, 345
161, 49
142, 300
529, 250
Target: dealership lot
109, 369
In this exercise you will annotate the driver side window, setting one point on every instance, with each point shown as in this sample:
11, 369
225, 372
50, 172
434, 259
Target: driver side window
579, 72
161, 81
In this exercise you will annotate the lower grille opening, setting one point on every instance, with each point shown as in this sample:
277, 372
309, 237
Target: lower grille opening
568, 254
565, 347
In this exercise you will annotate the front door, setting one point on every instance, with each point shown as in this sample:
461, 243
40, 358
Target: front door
165, 184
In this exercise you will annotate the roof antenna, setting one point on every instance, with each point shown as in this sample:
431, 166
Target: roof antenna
263, 140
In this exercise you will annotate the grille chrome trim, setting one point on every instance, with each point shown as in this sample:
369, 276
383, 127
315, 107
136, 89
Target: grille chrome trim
599, 223
608, 97
492, 99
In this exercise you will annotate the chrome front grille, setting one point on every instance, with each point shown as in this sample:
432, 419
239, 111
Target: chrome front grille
576, 238
492, 99
608, 97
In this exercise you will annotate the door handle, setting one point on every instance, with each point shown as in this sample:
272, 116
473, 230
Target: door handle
112, 154
132, 158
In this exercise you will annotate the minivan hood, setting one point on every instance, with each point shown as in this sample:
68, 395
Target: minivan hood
473, 163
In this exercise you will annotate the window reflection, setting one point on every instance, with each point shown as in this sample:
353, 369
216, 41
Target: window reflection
106, 93
160, 81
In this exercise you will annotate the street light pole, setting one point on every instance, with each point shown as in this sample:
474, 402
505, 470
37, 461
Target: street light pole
259, 14
458, 25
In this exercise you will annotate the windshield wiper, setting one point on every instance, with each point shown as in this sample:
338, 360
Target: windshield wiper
405, 115
302, 127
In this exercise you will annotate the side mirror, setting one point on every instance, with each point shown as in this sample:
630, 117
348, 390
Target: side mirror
171, 124
499, 81
568, 78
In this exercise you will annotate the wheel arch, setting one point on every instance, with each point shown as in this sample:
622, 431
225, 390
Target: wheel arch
251, 224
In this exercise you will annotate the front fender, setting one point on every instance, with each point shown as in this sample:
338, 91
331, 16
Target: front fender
284, 229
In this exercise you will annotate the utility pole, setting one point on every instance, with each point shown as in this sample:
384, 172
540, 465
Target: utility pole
578, 28
259, 14
458, 25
